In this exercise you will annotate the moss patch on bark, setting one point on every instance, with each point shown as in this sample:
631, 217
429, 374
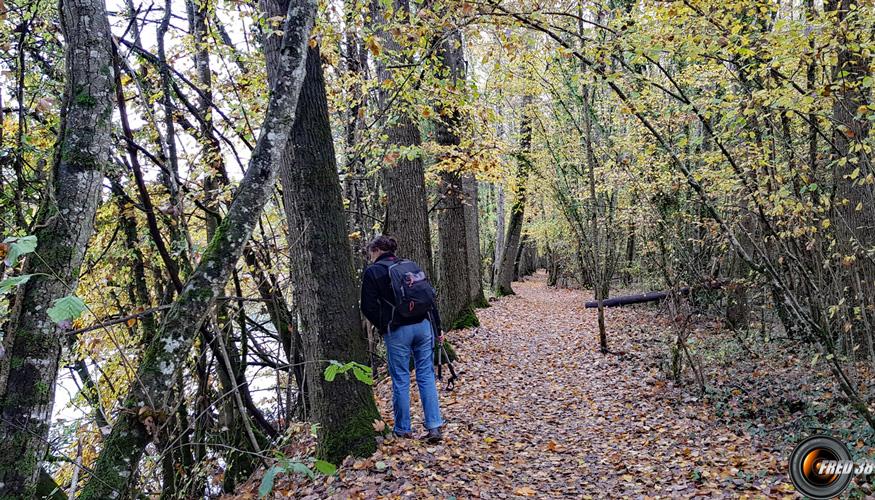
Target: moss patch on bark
467, 319
355, 438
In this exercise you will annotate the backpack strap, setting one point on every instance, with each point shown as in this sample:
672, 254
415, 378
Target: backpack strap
388, 264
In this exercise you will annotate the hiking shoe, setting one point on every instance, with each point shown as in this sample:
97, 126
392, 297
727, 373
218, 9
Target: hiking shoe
434, 436
404, 435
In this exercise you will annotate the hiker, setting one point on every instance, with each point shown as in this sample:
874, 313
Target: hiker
405, 322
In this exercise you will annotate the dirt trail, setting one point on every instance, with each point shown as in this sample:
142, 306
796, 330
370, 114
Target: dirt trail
539, 412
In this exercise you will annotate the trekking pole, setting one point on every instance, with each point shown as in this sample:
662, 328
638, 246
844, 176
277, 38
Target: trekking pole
451, 383
440, 360
436, 342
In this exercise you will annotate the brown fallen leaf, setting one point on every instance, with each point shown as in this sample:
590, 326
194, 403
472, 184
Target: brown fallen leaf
524, 491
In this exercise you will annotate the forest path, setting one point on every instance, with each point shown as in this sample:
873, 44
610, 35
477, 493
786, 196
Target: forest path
538, 411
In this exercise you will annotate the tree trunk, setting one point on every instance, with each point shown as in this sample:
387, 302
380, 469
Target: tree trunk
499, 236
854, 198
355, 182
240, 460
598, 264
403, 176
453, 271
515, 225
33, 341
472, 234
322, 269
150, 402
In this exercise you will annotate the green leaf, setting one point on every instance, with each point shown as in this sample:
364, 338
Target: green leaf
331, 371
300, 469
267, 480
66, 308
324, 467
18, 247
10, 283
363, 374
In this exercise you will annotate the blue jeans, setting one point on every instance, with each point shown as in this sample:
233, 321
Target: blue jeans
400, 343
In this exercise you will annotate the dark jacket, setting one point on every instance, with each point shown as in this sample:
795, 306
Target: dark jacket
377, 298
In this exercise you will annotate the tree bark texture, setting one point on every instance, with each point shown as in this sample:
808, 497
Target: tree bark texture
453, 287
150, 400
322, 270
33, 344
472, 235
403, 175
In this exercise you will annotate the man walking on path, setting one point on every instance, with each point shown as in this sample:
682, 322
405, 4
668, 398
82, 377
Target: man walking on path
398, 299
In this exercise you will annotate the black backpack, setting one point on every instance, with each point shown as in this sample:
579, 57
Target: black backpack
414, 295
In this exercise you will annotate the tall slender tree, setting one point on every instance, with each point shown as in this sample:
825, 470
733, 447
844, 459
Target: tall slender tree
356, 182
33, 341
510, 250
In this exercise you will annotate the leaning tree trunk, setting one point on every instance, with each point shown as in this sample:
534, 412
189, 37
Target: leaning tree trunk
517, 212
472, 234
322, 268
33, 341
403, 175
241, 457
453, 287
150, 400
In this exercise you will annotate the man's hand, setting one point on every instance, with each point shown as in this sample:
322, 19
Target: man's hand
440, 338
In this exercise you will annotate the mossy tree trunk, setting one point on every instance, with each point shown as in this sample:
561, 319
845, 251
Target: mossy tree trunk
33, 341
505, 269
452, 270
242, 457
322, 269
150, 400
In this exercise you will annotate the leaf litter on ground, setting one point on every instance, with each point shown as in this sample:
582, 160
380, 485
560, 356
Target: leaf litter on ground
539, 412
